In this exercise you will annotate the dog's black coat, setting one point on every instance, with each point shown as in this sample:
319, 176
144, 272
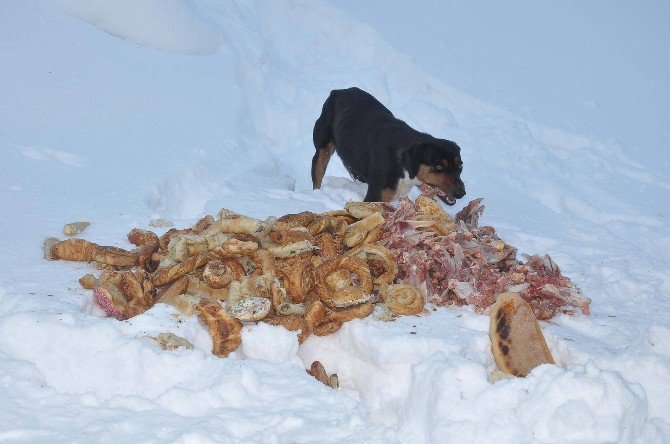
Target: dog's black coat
379, 149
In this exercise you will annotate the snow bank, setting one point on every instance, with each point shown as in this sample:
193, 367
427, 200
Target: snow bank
270, 343
431, 381
168, 25
124, 135
114, 370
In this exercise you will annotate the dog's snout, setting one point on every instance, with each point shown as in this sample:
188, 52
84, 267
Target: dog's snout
459, 189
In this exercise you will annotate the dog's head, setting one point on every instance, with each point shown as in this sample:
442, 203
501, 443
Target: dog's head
437, 163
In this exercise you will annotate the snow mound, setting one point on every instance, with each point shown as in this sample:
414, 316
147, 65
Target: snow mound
431, 386
126, 134
116, 368
270, 343
168, 25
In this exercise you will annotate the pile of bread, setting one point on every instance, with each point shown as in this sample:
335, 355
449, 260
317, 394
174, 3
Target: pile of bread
307, 272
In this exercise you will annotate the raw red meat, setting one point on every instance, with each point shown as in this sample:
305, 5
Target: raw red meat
471, 264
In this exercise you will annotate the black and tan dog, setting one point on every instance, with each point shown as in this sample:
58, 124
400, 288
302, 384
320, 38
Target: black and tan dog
382, 151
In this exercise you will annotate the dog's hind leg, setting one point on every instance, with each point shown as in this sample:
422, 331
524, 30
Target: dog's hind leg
323, 142
320, 163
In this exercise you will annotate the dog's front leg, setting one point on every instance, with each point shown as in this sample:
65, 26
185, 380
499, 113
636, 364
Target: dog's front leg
377, 192
374, 193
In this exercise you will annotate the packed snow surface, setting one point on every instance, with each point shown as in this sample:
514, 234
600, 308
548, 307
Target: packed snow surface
169, 25
118, 131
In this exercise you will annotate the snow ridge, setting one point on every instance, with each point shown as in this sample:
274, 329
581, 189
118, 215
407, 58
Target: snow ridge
129, 133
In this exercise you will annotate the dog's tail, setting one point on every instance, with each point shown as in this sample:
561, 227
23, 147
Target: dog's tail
323, 127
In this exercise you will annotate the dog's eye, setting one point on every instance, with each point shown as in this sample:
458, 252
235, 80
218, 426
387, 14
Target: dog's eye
438, 168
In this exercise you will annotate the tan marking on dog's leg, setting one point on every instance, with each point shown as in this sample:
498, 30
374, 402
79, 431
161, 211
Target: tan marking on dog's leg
321, 164
388, 194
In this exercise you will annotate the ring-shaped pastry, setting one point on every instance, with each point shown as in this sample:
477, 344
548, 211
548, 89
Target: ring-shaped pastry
219, 273
373, 251
350, 295
403, 299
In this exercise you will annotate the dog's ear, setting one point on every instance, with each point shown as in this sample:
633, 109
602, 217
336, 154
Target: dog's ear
411, 159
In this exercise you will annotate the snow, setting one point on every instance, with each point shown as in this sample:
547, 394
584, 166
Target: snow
169, 25
206, 105
597, 69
